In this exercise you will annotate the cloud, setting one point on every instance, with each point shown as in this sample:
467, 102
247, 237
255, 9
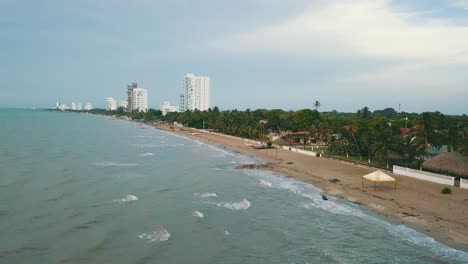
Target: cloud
463, 4
369, 28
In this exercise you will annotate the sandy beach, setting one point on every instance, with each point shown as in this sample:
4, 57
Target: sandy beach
415, 203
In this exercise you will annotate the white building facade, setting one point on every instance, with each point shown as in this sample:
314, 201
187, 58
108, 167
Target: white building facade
196, 93
137, 98
123, 104
111, 104
78, 106
88, 106
166, 107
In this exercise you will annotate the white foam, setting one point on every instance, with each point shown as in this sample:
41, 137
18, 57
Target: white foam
411, 236
197, 214
236, 206
127, 199
315, 201
264, 183
114, 164
146, 154
158, 145
205, 195
158, 235
226, 233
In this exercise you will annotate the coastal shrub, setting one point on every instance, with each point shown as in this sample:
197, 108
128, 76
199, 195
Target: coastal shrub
269, 143
290, 162
446, 190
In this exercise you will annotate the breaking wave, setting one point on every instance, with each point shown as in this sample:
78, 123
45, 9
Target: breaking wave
205, 195
197, 214
264, 183
127, 199
146, 154
114, 164
236, 206
158, 235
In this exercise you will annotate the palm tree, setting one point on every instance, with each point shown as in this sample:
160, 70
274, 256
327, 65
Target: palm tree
385, 144
352, 129
317, 105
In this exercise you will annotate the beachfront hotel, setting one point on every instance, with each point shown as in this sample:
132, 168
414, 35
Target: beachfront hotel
166, 107
137, 98
111, 104
123, 104
196, 93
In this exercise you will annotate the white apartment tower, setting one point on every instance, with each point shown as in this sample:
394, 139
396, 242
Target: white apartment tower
137, 98
196, 93
111, 104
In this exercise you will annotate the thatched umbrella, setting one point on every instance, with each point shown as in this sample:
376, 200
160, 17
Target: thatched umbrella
448, 163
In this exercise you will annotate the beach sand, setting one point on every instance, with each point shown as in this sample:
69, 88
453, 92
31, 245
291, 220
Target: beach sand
415, 203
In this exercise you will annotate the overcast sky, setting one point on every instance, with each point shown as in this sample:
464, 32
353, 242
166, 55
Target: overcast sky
258, 53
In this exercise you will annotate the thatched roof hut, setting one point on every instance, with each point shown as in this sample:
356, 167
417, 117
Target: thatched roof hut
448, 163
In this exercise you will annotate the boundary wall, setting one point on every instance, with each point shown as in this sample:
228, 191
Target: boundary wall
424, 175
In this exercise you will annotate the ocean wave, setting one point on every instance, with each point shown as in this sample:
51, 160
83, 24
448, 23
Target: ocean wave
197, 214
264, 183
114, 164
159, 145
127, 199
236, 206
149, 136
146, 154
158, 235
315, 201
216, 169
205, 195
415, 238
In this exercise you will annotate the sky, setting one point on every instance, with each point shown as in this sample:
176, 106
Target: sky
346, 54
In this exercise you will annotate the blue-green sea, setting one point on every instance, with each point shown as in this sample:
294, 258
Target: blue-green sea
81, 188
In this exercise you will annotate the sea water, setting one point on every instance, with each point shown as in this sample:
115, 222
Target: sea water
81, 188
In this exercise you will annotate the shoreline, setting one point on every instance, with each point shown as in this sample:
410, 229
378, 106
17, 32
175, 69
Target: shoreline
416, 204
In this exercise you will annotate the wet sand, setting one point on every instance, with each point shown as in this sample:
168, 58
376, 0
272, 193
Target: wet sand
415, 203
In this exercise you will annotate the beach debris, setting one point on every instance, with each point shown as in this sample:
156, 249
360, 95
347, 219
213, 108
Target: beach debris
324, 197
254, 166
334, 180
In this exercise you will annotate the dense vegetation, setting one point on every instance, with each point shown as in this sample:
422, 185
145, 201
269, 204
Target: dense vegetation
368, 135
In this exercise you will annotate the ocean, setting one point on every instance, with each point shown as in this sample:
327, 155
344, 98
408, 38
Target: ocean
81, 188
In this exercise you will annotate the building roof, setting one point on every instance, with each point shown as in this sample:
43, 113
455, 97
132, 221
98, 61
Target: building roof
448, 162
300, 133
405, 131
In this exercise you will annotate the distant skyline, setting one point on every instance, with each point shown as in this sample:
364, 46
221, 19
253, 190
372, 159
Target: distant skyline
258, 53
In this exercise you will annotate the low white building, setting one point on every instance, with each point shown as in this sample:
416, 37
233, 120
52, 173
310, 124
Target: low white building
123, 104
166, 107
111, 104
88, 106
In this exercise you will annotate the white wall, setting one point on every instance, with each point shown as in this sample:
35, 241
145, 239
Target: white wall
424, 175
301, 151
463, 184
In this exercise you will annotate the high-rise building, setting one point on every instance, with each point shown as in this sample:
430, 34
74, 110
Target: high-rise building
137, 98
78, 106
166, 107
73, 106
196, 93
111, 104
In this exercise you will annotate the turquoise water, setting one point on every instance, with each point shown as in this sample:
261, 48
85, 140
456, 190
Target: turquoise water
77, 188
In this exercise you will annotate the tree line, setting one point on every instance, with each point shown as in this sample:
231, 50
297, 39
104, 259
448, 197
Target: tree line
385, 135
